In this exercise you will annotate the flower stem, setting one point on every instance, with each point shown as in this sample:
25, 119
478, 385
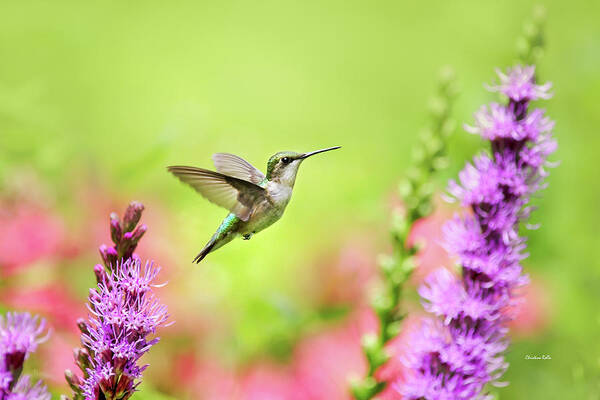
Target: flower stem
416, 192
531, 42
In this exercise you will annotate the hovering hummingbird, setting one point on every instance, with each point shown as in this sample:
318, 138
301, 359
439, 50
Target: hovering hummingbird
255, 201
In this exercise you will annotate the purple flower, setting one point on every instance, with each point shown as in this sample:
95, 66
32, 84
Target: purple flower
456, 355
24, 391
20, 333
124, 314
496, 122
518, 84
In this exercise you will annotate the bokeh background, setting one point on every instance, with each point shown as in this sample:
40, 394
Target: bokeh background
96, 98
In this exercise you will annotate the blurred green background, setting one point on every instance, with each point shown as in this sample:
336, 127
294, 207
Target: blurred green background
106, 94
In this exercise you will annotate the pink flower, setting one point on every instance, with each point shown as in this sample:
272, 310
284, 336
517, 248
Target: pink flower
26, 235
341, 278
318, 369
204, 379
57, 356
532, 312
428, 231
397, 348
268, 381
324, 362
53, 301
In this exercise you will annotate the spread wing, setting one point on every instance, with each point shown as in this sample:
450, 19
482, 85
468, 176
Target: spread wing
232, 165
234, 194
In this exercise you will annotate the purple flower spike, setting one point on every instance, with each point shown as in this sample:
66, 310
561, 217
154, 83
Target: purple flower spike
124, 312
455, 355
20, 333
123, 315
24, 391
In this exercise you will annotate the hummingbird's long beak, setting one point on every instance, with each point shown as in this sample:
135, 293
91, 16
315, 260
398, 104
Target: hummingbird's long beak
312, 153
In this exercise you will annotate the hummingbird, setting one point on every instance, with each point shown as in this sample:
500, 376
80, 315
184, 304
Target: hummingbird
255, 201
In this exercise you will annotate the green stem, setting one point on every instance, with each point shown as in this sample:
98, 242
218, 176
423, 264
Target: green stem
416, 191
530, 44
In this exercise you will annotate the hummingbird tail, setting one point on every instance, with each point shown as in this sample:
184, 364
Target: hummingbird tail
207, 249
225, 234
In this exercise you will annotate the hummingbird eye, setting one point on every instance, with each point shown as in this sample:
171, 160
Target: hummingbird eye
286, 160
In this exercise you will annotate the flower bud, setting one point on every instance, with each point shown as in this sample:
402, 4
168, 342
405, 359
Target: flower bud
82, 325
82, 359
109, 255
115, 228
132, 215
100, 273
73, 381
373, 349
138, 233
130, 241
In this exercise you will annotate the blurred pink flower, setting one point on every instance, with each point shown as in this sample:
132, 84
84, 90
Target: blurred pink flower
204, 379
428, 231
394, 369
57, 356
533, 310
27, 234
325, 361
342, 278
268, 381
320, 367
53, 301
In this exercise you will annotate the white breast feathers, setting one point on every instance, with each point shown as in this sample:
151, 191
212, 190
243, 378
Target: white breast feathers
280, 194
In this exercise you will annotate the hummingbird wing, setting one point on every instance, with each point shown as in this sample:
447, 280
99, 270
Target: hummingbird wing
232, 165
236, 195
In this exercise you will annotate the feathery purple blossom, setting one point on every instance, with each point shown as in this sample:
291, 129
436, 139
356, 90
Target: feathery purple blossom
20, 333
455, 356
518, 84
123, 314
23, 390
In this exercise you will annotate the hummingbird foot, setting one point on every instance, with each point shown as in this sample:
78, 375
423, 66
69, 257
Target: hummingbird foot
247, 236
